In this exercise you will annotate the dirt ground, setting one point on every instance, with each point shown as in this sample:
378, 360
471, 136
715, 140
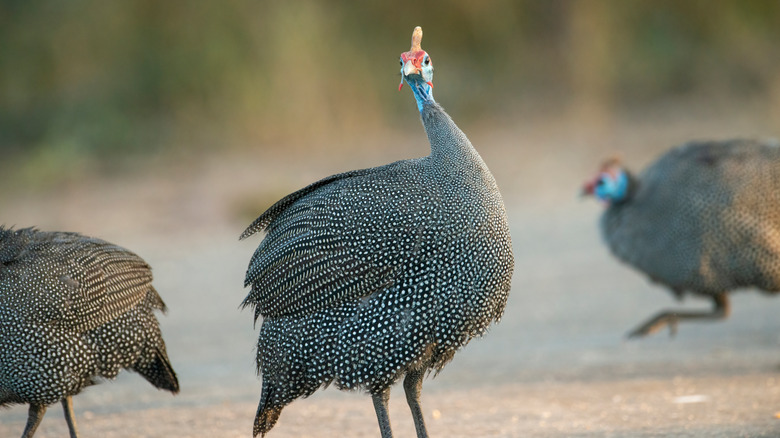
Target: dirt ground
557, 365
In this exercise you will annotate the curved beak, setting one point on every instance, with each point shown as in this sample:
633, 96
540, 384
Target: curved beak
411, 67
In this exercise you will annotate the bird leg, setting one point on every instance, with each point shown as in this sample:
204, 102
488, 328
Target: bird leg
671, 318
381, 400
67, 408
413, 387
34, 416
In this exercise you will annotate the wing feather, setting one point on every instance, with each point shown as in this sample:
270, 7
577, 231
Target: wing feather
321, 251
71, 280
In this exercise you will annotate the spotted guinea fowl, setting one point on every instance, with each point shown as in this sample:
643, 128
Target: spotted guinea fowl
703, 219
374, 274
73, 309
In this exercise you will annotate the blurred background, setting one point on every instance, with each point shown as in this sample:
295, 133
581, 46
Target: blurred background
168, 126
89, 86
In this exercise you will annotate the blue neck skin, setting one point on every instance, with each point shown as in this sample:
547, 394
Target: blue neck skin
613, 189
423, 93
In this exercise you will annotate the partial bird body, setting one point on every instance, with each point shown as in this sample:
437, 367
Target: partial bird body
703, 219
373, 274
73, 310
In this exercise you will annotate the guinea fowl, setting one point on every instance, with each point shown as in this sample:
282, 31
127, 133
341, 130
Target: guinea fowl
373, 274
73, 309
703, 219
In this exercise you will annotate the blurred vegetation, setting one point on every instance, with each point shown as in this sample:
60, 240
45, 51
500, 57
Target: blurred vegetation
83, 82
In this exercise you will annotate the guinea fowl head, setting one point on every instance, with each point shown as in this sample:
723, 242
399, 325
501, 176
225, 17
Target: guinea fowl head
417, 70
610, 185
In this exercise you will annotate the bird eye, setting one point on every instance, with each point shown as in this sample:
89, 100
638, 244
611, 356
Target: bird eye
427, 61
402, 61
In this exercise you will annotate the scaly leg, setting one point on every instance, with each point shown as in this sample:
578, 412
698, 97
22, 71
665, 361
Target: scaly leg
381, 400
34, 416
720, 310
413, 387
67, 408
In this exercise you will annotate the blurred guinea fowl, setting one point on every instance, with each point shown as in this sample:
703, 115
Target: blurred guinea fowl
73, 309
703, 219
374, 274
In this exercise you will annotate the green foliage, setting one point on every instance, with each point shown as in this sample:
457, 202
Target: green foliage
103, 80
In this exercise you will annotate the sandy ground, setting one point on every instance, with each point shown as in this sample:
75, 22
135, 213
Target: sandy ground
556, 366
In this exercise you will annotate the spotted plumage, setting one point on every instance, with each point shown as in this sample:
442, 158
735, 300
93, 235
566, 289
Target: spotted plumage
73, 309
702, 219
374, 274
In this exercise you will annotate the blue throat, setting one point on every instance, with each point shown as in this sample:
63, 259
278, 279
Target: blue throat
423, 93
614, 190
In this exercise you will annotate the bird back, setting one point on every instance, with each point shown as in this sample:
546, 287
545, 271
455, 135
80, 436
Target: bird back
69, 280
704, 217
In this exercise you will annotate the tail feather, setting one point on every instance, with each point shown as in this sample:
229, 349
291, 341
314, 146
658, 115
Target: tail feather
159, 372
267, 414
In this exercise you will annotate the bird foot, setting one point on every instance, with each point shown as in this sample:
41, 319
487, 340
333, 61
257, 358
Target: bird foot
655, 324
